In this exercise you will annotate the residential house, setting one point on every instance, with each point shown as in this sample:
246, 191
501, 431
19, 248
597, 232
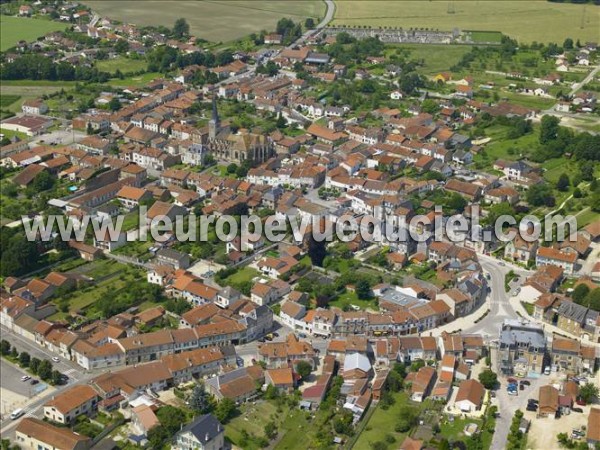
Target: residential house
203, 433
65, 407
469, 397
36, 434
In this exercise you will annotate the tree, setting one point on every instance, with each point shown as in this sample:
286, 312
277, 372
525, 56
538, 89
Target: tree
281, 122
304, 369
588, 392
24, 359
14, 353
309, 23
394, 381
231, 168
181, 29
540, 195
363, 289
549, 129
488, 378
114, 104
42, 182
200, 399
45, 370
171, 418
407, 418
4, 347
270, 430
343, 422
55, 377
562, 184
225, 410
568, 44
580, 292
34, 365
157, 435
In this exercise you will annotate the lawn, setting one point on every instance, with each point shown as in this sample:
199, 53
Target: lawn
138, 80
296, 429
11, 134
15, 29
587, 217
123, 64
383, 422
553, 21
437, 58
350, 298
212, 20
242, 276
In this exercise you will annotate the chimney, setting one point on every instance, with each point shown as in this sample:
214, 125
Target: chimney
206, 437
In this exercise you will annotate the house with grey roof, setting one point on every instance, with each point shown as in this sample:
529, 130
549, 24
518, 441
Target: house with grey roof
521, 348
204, 433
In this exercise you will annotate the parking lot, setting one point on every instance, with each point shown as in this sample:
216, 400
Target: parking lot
543, 431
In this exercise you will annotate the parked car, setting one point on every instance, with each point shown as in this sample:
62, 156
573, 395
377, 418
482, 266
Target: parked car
55, 359
34, 381
25, 378
578, 410
522, 387
532, 401
526, 382
513, 393
531, 408
511, 380
17, 413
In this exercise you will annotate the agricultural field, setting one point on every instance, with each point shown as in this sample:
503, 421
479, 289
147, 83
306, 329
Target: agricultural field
14, 29
215, 20
14, 93
553, 21
436, 58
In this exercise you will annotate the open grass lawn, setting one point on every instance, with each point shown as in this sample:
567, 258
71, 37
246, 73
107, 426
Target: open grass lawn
383, 422
500, 147
437, 58
586, 217
350, 298
553, 21
11, 134
14, 29
212, 20
242, 276
138, 80
123, 64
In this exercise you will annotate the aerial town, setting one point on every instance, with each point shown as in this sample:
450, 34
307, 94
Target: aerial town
126, 337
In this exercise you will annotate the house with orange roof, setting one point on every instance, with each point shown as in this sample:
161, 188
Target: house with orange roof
283, 379
76, 401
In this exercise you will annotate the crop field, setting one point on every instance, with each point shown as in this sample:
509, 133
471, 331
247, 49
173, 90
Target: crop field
14, 93
525, 20
214, 21
14, 29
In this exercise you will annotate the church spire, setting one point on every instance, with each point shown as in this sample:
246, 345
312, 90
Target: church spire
214, 123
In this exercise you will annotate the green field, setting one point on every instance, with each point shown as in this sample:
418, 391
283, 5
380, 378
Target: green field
123, 64
14, 93
525, 20
14, 29
212, 20
436, 58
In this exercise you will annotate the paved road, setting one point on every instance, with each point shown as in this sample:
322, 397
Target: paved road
69, 368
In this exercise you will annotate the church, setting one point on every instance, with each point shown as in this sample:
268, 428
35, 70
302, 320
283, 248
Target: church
238, 147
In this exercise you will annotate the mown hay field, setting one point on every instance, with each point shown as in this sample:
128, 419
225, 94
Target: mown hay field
215, 21
525, 20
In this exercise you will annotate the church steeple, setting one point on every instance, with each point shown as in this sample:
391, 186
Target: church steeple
214, 123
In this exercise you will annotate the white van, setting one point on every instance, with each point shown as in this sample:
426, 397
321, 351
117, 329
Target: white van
17, 413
